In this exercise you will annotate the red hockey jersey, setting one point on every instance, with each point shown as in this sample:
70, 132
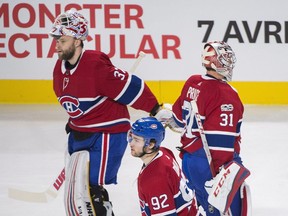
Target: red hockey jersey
221, 112
95, 94
162, 188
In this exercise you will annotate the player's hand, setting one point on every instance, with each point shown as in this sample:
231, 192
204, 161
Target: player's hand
164, 115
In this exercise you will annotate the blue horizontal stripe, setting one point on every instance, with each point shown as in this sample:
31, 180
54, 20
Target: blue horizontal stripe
132, 90
217, 140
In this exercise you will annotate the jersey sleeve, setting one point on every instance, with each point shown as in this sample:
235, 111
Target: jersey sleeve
125, 88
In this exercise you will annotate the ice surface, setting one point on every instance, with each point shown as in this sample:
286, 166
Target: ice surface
32, 144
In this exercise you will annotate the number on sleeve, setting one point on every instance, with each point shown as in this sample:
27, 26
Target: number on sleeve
119, 74
159, 202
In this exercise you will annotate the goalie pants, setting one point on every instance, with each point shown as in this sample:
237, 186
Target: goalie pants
106, 153
196, 168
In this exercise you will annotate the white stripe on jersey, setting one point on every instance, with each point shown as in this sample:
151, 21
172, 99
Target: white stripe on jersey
222, 133
221, 149
101, 124
165, 213
99, 102
124, 89
90, 99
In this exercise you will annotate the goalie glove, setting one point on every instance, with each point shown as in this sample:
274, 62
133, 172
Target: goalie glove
165, 116
223, 187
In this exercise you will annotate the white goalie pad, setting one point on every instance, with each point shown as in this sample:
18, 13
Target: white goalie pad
246, 200
224, 186
77, 193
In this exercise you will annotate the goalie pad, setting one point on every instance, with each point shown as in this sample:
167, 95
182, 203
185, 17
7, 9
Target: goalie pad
77, 195
224, 186
246, 200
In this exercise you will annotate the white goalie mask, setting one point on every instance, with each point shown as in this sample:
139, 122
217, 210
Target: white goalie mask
219, 56
71, 23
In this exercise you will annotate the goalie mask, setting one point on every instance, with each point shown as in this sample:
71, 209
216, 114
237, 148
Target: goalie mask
150, 129
219, 56
71, 23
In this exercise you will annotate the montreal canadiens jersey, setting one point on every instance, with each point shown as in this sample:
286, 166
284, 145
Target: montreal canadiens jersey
221, 112
95, 94
162, 188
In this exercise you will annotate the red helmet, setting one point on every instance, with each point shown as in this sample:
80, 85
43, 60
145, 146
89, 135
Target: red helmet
219, 56
70, 23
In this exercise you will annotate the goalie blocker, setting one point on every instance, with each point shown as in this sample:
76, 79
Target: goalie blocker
80, 198
223, 187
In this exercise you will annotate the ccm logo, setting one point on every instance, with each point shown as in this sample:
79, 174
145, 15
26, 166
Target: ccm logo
221, 182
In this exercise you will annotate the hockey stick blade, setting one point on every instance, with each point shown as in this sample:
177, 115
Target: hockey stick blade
39, 197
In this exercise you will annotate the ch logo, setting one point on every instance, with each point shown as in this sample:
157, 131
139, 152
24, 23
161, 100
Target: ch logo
71, 105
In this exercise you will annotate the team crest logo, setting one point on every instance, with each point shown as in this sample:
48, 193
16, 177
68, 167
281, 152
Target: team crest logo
71, 105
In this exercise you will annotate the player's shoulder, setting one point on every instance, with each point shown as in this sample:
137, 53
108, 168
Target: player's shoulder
96, 56
208, 82
194, 78
164, 159
93, 52
167, 152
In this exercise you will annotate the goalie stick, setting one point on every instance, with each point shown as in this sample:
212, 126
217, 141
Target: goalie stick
44, 196
203, 136
53, 190
137, 62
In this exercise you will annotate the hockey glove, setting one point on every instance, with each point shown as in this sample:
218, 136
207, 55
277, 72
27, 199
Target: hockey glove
223, 187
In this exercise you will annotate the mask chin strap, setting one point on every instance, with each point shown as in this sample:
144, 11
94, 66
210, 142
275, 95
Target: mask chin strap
144, 153
143, 149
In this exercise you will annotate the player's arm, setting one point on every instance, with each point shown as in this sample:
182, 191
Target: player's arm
126, 88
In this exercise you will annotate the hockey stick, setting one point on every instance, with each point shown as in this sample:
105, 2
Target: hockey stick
44, 196
137, 62
203, 136
53, 190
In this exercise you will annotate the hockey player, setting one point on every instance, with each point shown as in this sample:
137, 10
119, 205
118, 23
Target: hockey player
162, 187
221, 113
95, 95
